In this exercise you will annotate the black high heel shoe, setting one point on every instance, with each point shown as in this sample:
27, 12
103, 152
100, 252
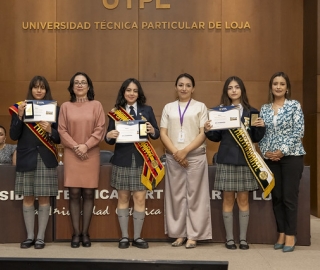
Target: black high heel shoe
75, 242
86, 240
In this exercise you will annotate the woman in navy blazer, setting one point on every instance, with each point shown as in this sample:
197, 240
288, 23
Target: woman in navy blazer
233, 174
128, 162
36, 175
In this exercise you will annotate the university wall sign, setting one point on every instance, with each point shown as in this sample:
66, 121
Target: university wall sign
112, 4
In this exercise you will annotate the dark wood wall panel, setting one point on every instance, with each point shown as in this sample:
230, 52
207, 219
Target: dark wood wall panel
163, 54
106, 55
25, 53
251, 53
292, 38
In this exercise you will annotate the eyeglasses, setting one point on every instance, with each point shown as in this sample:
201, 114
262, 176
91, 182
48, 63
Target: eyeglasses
80, 83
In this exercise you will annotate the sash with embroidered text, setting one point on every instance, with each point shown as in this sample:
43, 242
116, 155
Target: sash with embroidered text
260, 170
153, 170
37, 130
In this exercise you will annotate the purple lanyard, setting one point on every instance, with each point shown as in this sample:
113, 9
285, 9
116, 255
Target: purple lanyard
181, 116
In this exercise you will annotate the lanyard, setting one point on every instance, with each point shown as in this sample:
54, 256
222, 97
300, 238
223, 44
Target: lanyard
181, 116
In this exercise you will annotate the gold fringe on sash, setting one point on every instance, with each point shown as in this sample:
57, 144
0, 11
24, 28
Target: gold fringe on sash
260, 170
153, 170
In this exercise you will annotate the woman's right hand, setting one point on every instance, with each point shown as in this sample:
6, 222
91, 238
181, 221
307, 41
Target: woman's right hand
274, 156
184, 163
207, 126
81, 151
113, 134
21, 108
180, 157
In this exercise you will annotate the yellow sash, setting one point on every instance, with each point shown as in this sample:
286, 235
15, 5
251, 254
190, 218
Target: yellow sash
153, 170
256, 164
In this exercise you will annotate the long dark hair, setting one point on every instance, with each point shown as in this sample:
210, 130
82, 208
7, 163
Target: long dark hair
287, 95
121, 101
226, 101
5, 131
186, 75
90, 93
42, 81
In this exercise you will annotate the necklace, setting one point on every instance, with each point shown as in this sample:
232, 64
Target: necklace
3, 146
81, 100
276, 106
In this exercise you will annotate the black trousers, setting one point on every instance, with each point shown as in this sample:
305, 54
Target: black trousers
287, 173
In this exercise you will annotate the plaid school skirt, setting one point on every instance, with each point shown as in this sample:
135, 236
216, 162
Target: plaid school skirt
42, 181
127, 178
234, 178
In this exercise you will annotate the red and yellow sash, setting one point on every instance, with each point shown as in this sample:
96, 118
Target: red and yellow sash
153, 170
37, 130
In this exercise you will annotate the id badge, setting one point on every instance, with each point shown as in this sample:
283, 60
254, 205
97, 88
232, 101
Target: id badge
181, 137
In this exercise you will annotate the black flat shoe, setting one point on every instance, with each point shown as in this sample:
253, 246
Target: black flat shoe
140, 244
75, 242
27, 243
86, 240
230, 245
124, 243
39, 244
243, 245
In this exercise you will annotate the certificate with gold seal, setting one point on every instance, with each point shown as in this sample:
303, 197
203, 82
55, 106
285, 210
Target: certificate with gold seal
224, 117
131, 131
40, 110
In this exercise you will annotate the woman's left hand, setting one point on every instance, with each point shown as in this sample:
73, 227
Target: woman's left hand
179, 155
259, 122
278, 154
184, 163
46, 126
150, 128
207, 126
274, 156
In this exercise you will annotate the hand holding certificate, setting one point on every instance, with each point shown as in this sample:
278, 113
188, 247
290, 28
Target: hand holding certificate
131, 131
224, 117
40, 110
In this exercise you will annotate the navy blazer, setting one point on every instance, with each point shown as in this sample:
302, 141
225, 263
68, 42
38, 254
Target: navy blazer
123, 151
29, 145
229, 151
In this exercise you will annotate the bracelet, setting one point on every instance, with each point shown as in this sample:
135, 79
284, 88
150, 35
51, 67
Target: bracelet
86, 146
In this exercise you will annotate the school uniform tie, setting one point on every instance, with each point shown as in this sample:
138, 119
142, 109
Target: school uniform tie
132, 112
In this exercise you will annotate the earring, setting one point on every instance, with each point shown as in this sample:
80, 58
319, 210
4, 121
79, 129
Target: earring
287, 91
